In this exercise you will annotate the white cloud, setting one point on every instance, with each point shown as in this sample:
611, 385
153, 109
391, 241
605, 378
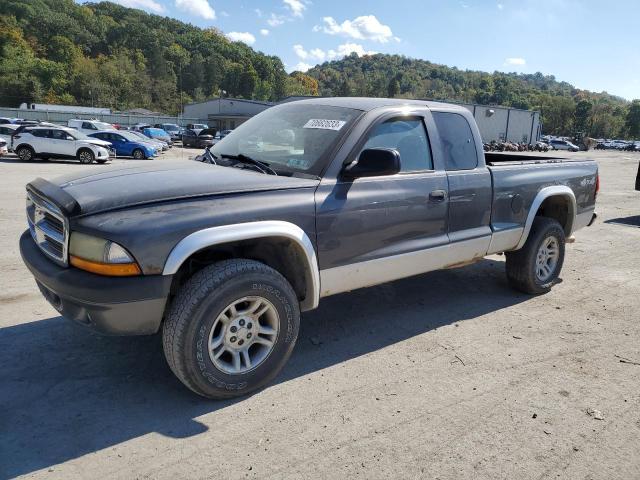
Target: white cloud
224, 14
258, 12
150, 5
515, 61
264, 32
347, 49
275, 20
366, 27
296, 7
300, 52
245, 37
302, 67
313, 54
317, 53
199, 8
500, 6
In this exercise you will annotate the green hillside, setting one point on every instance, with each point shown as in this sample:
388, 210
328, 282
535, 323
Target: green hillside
565, 109
103, 54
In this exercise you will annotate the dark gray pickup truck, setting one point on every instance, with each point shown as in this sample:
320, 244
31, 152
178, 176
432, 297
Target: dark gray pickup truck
305, 200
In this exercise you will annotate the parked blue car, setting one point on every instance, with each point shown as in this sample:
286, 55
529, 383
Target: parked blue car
127, 145
158, 134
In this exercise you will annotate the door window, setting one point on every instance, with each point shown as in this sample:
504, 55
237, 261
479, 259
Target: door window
409, 137
88, 126
58, 135
457, 141
41, 133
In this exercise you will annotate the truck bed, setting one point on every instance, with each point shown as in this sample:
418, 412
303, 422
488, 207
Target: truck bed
516, 158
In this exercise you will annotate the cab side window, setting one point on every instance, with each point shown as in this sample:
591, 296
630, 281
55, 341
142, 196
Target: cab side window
409, 137
88, 126
457, 141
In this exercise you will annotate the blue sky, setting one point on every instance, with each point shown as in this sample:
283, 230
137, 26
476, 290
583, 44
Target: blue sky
593, 45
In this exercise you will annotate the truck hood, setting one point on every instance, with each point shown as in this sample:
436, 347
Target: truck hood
115, 188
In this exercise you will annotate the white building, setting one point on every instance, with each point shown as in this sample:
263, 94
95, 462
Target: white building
43, 107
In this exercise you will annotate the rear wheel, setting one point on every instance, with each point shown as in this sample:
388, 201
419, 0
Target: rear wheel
86, 156
536, 266
25, 154
231, 328
138, 154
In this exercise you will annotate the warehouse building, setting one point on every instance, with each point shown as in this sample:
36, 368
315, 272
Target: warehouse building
225, 113
495, 123
504, 123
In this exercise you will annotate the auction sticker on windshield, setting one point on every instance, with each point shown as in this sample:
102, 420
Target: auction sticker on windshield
324, 124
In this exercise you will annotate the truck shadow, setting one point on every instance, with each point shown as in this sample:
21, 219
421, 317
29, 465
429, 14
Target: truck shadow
67, 392
632, 221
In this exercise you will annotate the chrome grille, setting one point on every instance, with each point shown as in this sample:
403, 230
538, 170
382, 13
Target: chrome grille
48, 227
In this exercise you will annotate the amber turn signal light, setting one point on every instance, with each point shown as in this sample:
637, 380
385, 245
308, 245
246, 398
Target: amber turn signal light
108, 269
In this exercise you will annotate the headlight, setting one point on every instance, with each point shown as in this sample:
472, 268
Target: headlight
101, 256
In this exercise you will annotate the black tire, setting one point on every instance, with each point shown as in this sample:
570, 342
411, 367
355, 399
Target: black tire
86, 156
138, 154
522, 264
25, 153
192, 315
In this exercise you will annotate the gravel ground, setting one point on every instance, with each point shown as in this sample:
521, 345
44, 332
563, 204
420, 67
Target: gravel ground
447, 375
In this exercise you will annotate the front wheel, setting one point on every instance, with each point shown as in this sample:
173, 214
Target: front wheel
25, 154
536, 266
231, 328
138, 154
86, 156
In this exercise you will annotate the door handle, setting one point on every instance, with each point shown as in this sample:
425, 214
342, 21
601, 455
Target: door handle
438, 195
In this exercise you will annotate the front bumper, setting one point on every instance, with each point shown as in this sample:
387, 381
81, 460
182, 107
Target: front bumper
109, 305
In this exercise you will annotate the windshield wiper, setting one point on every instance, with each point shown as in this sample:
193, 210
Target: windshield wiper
261, 166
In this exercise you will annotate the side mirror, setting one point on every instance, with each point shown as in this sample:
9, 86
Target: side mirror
374, 162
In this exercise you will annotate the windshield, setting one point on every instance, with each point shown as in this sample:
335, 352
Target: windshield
156, 131
292, 136
170, 127
103, 126
141, 136
130, 136
199, 126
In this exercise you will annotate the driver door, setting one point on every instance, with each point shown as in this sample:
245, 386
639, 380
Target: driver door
368, 228
61, 143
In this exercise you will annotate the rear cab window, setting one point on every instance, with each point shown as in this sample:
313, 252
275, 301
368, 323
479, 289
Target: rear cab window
458, 144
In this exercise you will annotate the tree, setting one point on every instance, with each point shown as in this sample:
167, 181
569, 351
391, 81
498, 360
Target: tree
248, 81
583, 116
632, 120
394, 87
299, 84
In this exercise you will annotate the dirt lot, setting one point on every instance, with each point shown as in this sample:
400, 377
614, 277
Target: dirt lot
448, 375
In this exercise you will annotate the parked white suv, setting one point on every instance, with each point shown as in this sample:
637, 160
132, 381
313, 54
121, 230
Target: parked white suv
89, 126
59, 142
